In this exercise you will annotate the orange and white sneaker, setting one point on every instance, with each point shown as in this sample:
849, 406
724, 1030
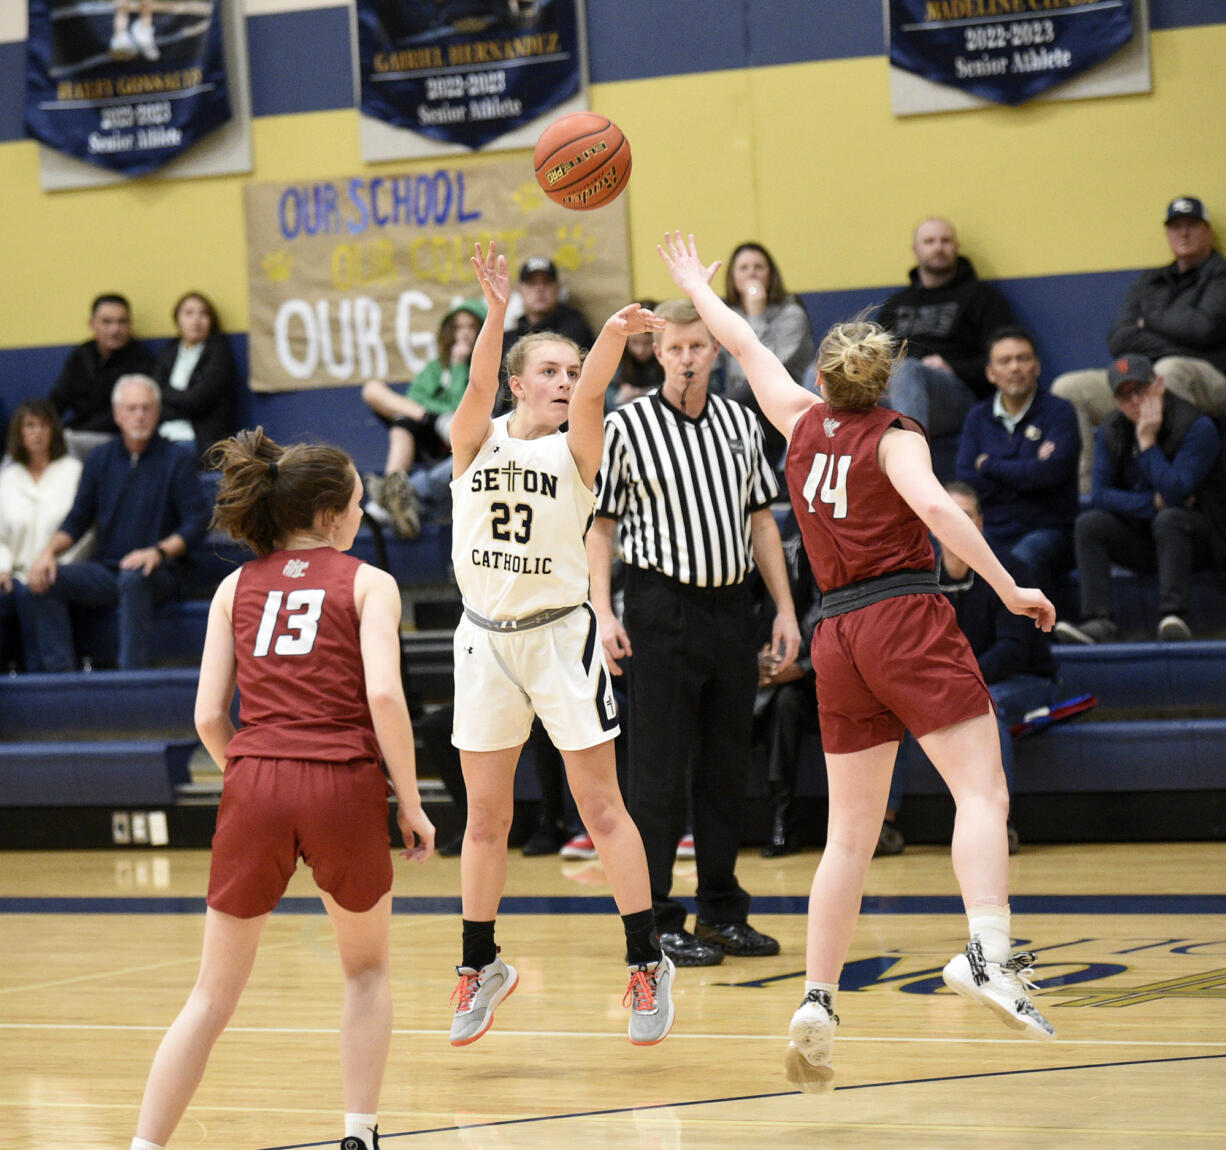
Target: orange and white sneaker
476, 996
650, 998
685, 847
580, 847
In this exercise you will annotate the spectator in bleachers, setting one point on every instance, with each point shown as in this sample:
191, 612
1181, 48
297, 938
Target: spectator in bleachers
1174, 316
198, 378
1019, 452
82, 393
753, 288
541, 294
946, 316
1014, 657
419, 425
142, 494
36, 492
1158, 502
638, 372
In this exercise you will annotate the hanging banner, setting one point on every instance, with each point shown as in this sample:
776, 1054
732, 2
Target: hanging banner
127, 85
1006, 51
464, 72
349, 278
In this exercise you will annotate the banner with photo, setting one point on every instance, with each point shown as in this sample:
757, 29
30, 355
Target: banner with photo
349, 278
1006, 51
127, 85
465, 72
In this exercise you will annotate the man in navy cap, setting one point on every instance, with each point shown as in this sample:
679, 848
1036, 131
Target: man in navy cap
1175, 316
543, 306
1157, 502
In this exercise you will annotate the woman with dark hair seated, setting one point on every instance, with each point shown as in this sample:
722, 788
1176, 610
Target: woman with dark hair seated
198, 378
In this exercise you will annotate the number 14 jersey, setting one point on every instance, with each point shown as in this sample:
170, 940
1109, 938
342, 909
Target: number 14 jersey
519, 514
853, 523
301, 681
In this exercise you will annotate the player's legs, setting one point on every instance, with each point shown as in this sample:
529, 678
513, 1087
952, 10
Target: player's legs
366, 1017
859, 784
489, 778
592, 774
121, 17
229, 952
967, 757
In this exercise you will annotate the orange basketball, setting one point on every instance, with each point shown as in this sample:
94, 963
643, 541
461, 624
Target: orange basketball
582, 161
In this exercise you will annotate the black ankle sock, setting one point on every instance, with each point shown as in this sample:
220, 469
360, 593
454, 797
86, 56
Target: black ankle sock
479, 947
642, 938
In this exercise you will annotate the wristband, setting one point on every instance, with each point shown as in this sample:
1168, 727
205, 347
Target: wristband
162, 552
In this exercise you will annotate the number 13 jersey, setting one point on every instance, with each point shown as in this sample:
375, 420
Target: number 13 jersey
519, 514
853, 523
301, 681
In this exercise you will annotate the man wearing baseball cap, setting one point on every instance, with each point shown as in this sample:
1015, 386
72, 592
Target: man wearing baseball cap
1158, 502
1174, 316
543, 308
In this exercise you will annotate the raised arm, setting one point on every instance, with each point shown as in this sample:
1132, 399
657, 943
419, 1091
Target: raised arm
470, 426
586, 411
904, 458
782, 399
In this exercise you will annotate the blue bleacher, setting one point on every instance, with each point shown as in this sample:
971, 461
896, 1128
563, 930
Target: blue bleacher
93, 774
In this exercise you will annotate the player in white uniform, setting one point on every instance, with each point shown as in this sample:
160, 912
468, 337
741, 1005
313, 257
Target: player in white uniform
522, 497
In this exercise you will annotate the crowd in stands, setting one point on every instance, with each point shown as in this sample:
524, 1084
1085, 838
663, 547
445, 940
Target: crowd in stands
1116, 465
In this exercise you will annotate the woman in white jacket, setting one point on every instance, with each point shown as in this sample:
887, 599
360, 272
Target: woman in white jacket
36, 493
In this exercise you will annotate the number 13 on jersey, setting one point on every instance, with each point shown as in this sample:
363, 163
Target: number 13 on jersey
297, 624
827, 479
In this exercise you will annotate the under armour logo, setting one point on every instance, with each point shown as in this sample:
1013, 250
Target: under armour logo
469, 650
496, 450
830, 426
295, 568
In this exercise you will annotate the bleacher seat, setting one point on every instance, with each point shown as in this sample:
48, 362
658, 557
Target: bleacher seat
93, 774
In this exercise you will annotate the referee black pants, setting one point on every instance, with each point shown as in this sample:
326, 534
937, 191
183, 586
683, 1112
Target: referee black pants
692, 680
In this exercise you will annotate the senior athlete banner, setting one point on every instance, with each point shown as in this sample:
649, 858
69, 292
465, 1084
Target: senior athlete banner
464, 72
1006, 51
124, 84
349, 278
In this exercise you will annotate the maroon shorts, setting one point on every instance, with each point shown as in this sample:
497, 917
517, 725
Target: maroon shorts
275, 811
898, 664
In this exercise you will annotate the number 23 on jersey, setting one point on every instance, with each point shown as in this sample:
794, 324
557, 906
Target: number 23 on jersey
290, 623
827, 479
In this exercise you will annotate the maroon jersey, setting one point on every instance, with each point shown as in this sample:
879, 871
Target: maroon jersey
301, 683
853, 523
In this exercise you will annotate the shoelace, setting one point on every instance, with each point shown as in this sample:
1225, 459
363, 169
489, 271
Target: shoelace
823, 999
1021, 966
642, 990
468, 986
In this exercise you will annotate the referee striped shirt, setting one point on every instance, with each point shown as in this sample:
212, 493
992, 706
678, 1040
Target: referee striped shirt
682, 488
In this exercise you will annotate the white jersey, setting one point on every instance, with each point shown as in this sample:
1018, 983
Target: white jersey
519, 514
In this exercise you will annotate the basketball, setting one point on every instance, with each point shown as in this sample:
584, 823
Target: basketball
582, 161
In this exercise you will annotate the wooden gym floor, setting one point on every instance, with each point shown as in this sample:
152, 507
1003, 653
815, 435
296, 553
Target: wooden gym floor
100, 949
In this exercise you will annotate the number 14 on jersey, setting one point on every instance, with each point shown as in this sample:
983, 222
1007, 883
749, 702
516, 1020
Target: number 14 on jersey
827, 479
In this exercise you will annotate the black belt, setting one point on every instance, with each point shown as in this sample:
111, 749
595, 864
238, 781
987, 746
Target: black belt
841, 600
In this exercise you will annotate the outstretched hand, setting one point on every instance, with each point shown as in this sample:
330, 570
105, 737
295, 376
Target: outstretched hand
492, 275
634, 319
683, 263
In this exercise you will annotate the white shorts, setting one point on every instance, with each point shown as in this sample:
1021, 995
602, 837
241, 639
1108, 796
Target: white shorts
556, 671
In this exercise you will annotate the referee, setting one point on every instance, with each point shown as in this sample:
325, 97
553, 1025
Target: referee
685, 494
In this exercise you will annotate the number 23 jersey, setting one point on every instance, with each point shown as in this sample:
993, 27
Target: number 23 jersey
301, 681
519, 514
853, 523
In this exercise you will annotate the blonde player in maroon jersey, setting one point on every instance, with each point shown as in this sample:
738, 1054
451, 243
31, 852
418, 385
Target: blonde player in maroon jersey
888, 655
310, 636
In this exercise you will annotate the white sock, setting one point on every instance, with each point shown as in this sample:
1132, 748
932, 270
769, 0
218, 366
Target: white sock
141, 1144
362, 1126
990, 924
831, 988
